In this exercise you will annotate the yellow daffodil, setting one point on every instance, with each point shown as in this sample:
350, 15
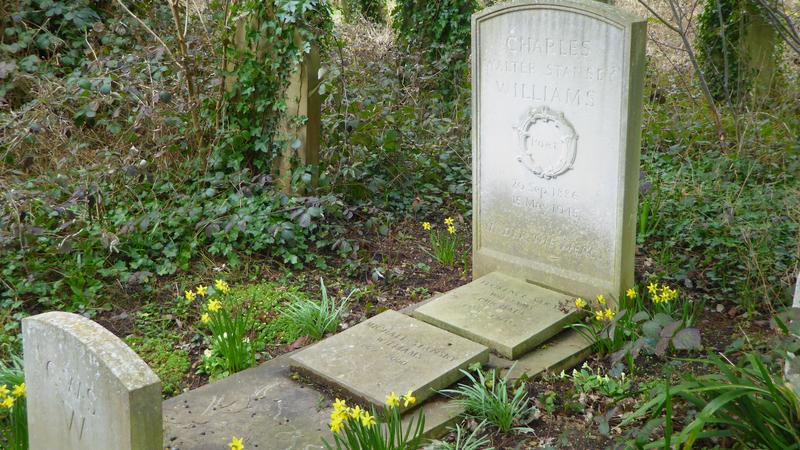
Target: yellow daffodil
393, 400
3, 391
337, 423
409, 399
601, 300
205, 318
19, 391
668, 294
426, 226
214, 306
608, 314
651, 288
451, 229
598, 315
631, 293
189, 296
355, 413
339, 405
236, 444
367, 420
202, 291
7, 403
222, 286
449, 221
580, 303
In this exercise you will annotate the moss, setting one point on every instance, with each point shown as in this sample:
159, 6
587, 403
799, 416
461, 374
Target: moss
267, 301
170, 364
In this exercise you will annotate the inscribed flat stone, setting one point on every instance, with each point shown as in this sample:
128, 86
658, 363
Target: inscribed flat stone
86, 388
269, 410
505, 314
390, 352
556, 133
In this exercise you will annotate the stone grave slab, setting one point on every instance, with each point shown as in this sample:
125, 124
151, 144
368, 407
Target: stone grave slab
269, 410
390, 352
506, 314
86, 389
565, 350
557, 99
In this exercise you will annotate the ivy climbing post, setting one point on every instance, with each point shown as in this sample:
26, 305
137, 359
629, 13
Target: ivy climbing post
301, 126
268, 116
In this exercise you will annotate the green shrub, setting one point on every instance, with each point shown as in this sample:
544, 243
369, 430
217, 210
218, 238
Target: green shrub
372, 10
487, 398
316, 319
731, 36
262, 49
440, 31
140, 224
745, 402
464, 441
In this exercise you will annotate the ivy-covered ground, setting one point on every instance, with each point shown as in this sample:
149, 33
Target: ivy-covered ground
113, 208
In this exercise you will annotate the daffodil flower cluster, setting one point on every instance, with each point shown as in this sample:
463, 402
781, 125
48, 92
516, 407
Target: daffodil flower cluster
443, 245
661, 294
231, 348
602, 313
9, 397
355, 417
236, 444
354, 427
190, 296
343, 415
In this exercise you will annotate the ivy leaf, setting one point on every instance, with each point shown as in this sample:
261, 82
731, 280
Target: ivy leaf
651, 329
687, 339
670, 329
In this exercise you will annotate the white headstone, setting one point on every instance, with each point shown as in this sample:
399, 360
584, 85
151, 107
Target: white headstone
556, 132
796, 302
86, 388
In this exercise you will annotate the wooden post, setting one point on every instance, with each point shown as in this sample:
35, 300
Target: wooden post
302, 140
301, 127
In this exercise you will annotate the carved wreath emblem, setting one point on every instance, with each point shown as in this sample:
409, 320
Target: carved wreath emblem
548, 142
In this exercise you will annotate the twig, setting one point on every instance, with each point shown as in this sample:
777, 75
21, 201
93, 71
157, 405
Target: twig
152, 33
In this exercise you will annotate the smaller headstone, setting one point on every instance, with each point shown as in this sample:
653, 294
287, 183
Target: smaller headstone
390, 352
504, 313
86, 389
796, 302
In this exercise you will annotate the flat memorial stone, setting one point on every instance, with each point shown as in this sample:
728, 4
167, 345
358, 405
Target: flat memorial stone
390, 352
501, 312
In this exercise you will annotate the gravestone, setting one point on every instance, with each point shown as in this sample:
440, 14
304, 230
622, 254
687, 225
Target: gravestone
86, 389
557, 98
390, 352
493, 310
792, 366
